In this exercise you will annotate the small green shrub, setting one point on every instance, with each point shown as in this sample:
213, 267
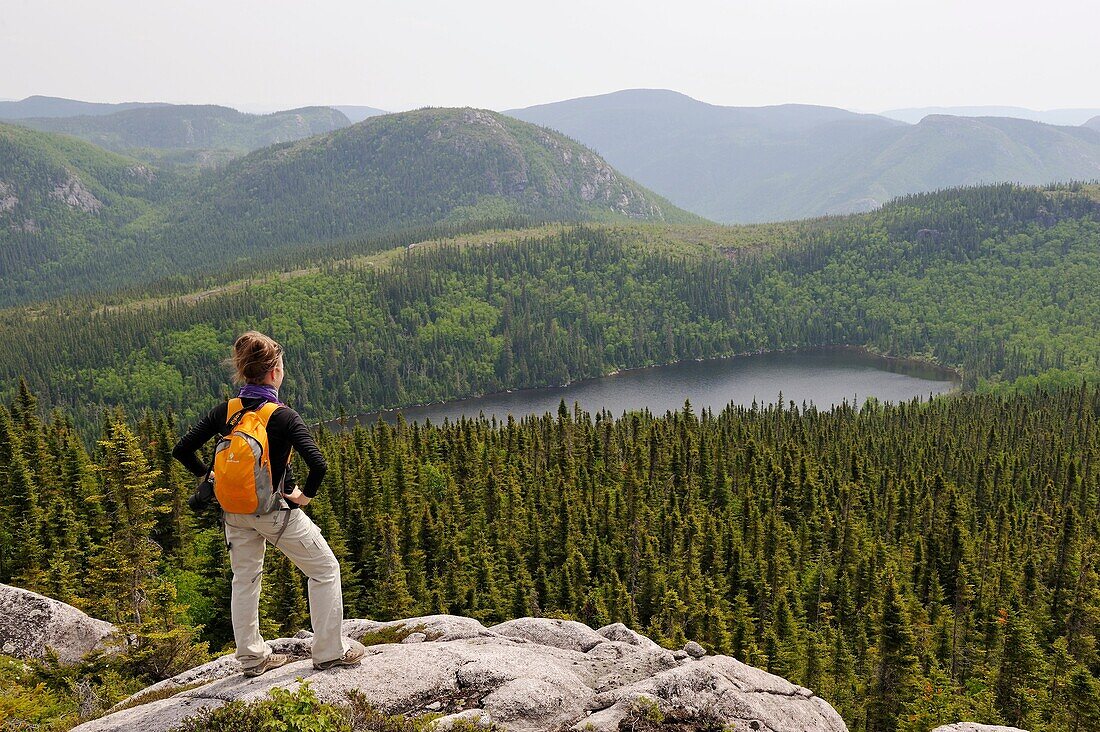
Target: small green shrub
45, 695
282, 711
642, 716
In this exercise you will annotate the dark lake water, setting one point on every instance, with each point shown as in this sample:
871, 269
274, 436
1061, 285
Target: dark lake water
823, 377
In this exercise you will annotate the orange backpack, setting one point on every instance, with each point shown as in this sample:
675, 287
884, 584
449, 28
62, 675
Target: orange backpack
242, 462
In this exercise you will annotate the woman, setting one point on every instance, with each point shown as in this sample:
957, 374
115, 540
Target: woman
258, 362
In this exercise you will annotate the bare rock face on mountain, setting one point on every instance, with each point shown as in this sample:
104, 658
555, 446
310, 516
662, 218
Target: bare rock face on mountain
525, 675
34, 623
73, 194
973, 727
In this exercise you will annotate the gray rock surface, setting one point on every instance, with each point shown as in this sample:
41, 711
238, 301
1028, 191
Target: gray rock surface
974, 727
619, 632
167, 713
694, 650
526, 675
33, 623
567, 634
444, 627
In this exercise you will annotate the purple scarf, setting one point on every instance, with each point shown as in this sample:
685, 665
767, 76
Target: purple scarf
260, 391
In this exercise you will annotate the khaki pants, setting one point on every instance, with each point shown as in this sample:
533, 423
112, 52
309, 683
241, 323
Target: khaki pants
303, 544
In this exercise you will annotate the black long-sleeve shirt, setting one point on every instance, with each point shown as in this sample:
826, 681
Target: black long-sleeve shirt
284, 430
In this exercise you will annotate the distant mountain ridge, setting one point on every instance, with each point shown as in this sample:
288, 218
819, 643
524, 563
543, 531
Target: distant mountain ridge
1070, 117
41, 106
357, 113
752, 164
386, 174
943, 151
191, 134
725, 163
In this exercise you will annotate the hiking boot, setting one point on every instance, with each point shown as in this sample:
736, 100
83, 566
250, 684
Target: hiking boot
352, 657
275, 660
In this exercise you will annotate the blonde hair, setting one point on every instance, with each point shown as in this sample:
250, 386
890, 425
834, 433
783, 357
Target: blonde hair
254, 354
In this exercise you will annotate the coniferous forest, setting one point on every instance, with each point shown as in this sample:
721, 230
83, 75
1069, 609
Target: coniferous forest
914, 564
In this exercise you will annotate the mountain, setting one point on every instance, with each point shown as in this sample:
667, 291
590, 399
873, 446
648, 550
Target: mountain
1093, 123
39, 106
743, 164
358, 113
388, 173
943, 151
709, 159
1071, 117
192, 134
421, 167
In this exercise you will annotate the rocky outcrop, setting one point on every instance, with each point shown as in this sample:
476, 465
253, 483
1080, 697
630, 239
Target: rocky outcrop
524, 675
34, 623
73, 194
142, 172
598, 181
8, 199
973, 727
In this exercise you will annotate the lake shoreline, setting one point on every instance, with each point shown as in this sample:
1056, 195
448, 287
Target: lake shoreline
896, 364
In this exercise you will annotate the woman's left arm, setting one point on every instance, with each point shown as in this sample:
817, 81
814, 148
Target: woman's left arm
196, 437
307, 448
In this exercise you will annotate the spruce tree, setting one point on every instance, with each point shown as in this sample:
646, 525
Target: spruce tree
1019, 673
390, 598
896, 665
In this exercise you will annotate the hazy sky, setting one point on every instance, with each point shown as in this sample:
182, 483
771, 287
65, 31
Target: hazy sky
869, 55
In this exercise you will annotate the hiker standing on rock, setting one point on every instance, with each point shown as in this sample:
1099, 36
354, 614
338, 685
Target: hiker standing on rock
251, 464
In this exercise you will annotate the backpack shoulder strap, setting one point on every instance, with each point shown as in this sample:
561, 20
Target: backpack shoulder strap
233, 409
265, 412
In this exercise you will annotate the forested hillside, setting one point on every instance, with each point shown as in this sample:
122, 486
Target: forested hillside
63, 200
998, 282
746, 164
944, 151
383, 175
913, 564
187, 134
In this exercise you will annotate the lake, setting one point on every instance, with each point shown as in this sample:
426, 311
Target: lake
824, 377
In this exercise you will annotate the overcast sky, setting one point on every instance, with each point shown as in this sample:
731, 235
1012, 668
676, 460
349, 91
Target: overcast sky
868, 55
